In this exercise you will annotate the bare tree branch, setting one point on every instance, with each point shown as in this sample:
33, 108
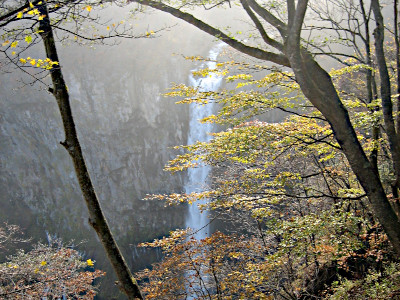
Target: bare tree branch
268, 17
268, 40
254, 52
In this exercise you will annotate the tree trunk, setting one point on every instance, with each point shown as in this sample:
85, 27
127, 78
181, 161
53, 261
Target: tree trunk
96, 218
318, 87
386, 94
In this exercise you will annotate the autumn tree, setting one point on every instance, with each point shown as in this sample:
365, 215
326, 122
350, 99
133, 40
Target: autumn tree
282, 29
309, 217
307, 206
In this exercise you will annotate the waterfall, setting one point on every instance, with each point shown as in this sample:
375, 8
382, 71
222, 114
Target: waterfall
197, 177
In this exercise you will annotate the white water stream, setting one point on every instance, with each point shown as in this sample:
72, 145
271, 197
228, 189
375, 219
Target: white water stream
197, 177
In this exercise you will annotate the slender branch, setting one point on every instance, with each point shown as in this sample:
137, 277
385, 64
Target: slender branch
254, 52
295, 30
321, 195
14, 12
300, 115
291, 8
268, 17
260, 28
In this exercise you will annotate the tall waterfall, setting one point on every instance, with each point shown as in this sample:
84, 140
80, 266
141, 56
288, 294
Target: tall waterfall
197, 177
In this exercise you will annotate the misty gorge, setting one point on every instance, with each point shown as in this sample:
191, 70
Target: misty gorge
127, 130
158, 149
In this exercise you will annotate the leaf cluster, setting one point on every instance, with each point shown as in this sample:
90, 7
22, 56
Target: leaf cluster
53, 271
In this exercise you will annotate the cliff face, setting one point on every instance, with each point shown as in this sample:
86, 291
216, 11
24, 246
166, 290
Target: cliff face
126, 129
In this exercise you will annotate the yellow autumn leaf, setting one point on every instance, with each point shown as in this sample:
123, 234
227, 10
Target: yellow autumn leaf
28, 39
20, 15
13, 53
31, 5
88, 8
5, 43
22, 60
108, 27
14, 44
33, 62
90, 262
43, 263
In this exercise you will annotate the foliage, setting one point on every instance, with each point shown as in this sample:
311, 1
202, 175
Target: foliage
52, 271
376, 285
291, 249
218, 267
10, 235
308, 222
283, 261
